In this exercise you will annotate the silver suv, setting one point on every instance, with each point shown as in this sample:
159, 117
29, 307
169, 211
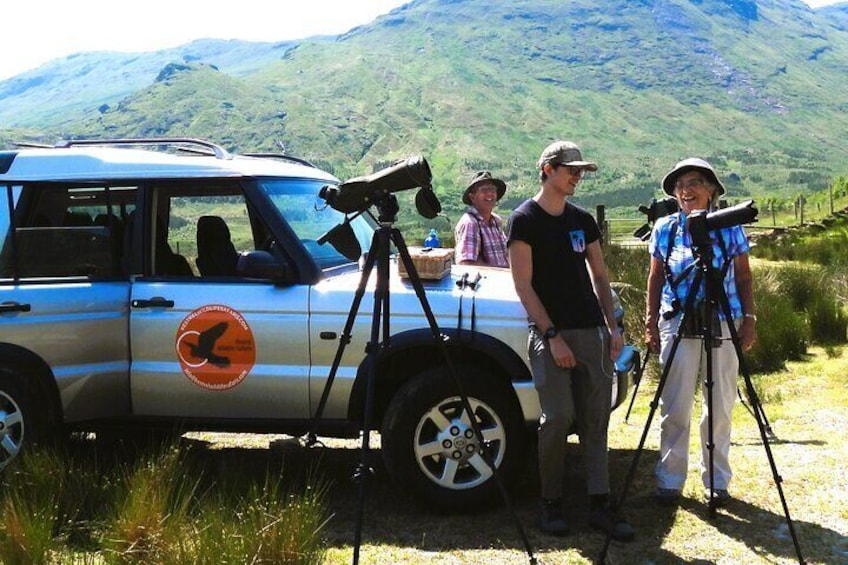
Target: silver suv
168, 282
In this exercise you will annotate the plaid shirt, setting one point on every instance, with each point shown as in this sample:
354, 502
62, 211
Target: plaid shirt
478, 240
681, 257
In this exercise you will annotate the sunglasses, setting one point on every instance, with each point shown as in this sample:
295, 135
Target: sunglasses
572, 170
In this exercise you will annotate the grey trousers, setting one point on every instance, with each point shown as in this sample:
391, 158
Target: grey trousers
583, 395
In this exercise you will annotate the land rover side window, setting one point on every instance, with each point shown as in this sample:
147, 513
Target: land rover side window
6, 263
200, 231
67, 231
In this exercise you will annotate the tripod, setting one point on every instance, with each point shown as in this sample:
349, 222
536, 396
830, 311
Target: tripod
378, 255
714, 296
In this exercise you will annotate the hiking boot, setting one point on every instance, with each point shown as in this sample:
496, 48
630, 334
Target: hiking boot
550, 519
667, 496
612, 524
720, 497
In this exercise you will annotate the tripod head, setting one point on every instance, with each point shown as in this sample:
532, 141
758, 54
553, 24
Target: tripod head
657, 209
387, 209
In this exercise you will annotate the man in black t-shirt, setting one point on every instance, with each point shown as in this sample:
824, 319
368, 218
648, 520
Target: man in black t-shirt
560, 276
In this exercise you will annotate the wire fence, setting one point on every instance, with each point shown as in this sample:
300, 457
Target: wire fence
771, 217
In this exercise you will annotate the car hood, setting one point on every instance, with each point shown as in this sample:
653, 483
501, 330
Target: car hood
493, 291
489, 282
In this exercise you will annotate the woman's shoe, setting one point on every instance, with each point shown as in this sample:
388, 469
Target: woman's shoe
667, 496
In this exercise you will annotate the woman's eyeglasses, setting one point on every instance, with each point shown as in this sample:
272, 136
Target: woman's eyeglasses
690, 184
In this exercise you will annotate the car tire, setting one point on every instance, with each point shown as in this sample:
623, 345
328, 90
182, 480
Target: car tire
431, 450
17, 423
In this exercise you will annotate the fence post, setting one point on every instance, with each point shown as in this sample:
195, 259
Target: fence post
831, 199
601, 218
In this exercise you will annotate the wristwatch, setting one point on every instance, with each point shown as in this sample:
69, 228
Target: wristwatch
550, 333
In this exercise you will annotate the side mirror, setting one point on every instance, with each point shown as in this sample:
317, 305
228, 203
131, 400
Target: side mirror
260, 265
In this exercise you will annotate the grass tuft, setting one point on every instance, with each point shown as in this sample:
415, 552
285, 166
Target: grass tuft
31, 508
66, 506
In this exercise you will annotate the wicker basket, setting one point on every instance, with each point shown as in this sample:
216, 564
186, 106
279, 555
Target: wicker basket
432, 263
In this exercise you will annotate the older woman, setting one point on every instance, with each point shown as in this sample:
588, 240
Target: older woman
695, 185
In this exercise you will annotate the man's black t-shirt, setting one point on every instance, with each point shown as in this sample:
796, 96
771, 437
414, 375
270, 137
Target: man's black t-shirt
560, 274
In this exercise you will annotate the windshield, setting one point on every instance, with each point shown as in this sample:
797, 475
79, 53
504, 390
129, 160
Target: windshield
310, 217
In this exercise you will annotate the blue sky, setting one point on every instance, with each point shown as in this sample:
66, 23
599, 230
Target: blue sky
37, 31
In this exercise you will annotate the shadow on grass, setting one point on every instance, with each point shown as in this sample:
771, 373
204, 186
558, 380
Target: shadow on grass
394, 519
391, 518
767, 534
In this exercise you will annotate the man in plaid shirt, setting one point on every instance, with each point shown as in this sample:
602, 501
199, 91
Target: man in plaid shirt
479, 235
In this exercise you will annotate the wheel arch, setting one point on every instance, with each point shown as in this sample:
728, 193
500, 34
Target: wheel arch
38, 381
414, 351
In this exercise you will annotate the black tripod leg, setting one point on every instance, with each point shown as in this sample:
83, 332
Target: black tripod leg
757, 405
379, 316
709, 383
759, 417
345, 339
638, 382
631, 474
403, 255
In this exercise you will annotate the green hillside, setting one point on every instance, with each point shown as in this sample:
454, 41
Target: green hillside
758, 88
59, 91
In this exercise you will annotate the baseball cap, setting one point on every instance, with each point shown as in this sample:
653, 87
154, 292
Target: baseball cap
564, 153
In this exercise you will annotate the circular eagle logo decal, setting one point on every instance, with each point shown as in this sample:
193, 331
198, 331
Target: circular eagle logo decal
215, 347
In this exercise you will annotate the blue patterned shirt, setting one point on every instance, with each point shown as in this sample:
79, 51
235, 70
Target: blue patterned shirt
681, 257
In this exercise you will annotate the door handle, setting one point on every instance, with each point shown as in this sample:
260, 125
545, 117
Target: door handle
155, 302
14, 307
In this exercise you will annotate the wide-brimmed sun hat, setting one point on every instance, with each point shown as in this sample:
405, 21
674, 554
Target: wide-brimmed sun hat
479, 178
686, 165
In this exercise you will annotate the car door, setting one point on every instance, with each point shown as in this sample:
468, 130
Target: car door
63, 294
206, 342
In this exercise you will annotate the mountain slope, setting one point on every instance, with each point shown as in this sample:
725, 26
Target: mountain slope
758, 88
59, 90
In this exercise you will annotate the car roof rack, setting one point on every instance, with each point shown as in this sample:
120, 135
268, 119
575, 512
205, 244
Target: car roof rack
280, 156
33, 145
198, 145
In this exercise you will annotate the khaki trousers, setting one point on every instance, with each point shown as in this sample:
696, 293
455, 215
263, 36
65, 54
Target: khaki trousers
688, 369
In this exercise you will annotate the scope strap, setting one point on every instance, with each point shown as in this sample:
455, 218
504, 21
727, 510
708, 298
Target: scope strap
672, 282
473, 313
459, 313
